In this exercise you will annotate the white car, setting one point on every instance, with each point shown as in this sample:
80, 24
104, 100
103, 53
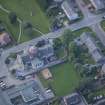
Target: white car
2, 84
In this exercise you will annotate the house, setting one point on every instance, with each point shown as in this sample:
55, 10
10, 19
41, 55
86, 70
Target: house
98, 4
95, 52
45, 51
4, 100
4, 38
28, 64
25, 61
69, 10
74, 99
32, 51
28, 93
37, 63
33, 59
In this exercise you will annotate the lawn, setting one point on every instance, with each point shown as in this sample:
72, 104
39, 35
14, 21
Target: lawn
103, 24
65, 78
86, 2
24, 9
80, 31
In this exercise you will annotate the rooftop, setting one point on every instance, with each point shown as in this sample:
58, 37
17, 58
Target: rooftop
69, 11
4, 38
98, 4
29, 92
32, 92
74, 99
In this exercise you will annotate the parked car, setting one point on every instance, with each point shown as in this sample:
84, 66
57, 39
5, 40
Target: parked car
103, 17
2, 84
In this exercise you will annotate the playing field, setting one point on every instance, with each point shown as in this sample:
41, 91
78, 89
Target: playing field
27, 11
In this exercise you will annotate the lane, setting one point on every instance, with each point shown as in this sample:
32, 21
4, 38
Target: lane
99, 32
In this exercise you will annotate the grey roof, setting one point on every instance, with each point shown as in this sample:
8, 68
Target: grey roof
98, 4
46, 51
74, 99
4, 99
26, 59
92, 47
31, 93
69, 11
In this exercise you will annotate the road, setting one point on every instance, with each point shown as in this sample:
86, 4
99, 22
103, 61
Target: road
90, 20
99, 32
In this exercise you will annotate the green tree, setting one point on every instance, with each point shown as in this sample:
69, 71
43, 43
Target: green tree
28, 28
13, 17
57, 43
44, 3
67, 38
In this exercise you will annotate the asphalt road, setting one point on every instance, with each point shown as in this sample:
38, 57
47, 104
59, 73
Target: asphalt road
88, 21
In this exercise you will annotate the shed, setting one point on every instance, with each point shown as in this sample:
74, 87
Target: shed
46, 73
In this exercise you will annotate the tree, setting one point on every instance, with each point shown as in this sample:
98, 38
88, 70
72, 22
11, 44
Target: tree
7, 61
27, 25
45, 3
28, 28
57, 43
77, 51
13, 72
13, 17
67, 38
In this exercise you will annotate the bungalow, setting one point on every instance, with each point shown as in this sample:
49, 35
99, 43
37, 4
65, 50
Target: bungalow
4, 38
74, 99
98, 4
93, 49
69, 10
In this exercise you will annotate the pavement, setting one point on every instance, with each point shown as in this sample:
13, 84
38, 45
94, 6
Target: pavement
99, 32
90, 20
